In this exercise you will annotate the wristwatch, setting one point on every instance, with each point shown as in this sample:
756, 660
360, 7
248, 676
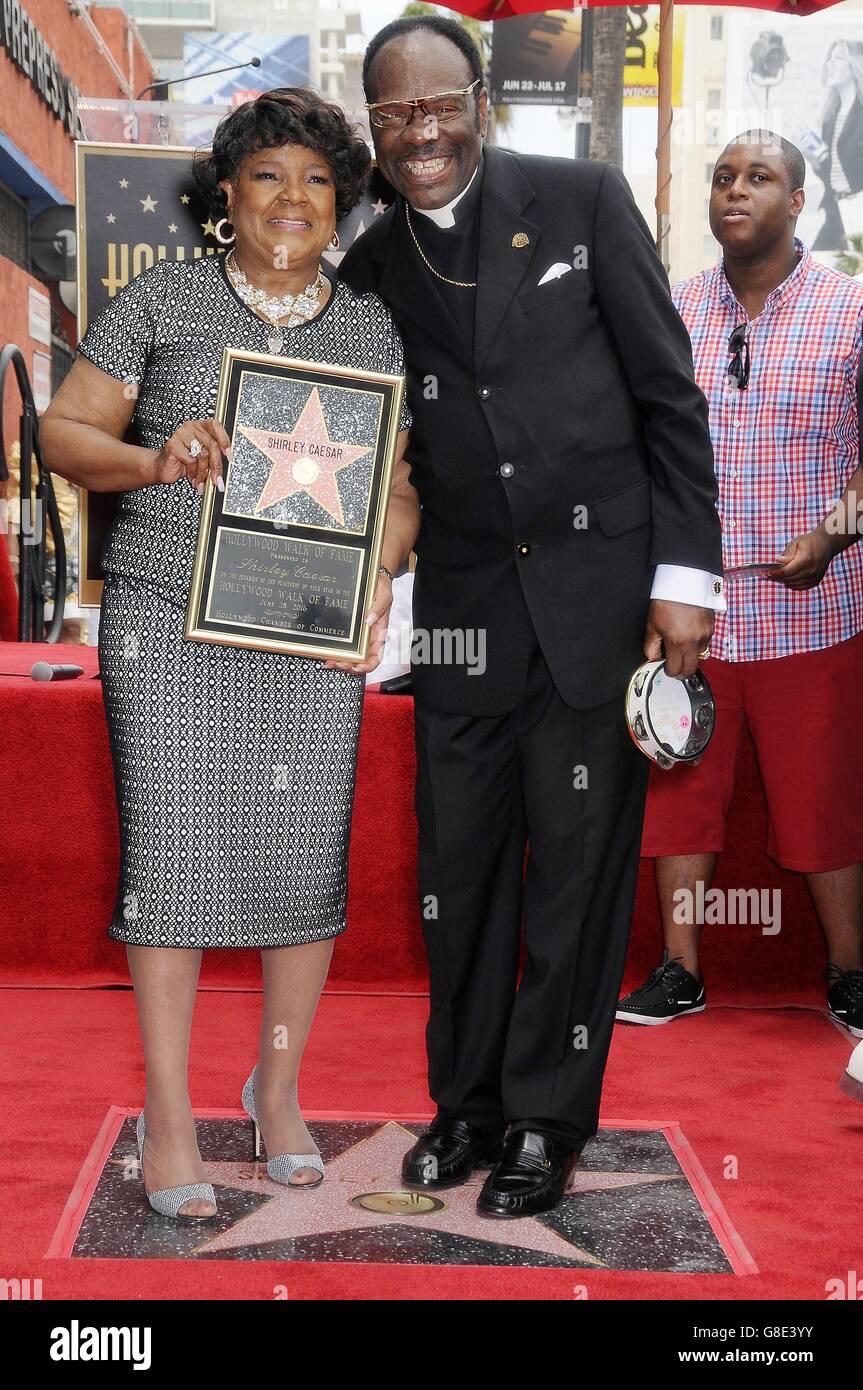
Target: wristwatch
383, 570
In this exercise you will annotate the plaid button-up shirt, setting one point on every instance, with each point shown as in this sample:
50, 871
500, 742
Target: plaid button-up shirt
785, 449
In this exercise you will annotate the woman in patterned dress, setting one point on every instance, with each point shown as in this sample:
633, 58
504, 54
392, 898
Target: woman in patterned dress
234, 768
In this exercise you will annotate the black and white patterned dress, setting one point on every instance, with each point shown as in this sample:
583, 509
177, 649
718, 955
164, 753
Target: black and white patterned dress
234, 769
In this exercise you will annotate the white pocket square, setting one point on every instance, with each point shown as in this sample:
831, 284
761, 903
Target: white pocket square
554, 272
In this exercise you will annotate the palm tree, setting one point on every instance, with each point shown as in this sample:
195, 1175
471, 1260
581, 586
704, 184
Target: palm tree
609, 55
850, 259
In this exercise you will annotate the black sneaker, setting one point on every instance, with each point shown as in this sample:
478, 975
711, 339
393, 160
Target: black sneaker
669, 992
845, 998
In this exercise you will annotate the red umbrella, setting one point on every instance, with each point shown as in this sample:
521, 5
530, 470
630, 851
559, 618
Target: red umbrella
507, 9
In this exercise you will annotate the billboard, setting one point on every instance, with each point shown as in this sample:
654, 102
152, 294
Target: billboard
284, 63
640, 71
805, 82
536, 59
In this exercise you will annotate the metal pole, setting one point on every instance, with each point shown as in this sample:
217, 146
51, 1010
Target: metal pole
664, 116
585, 85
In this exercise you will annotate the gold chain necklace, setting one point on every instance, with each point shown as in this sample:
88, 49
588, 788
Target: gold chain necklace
462, 284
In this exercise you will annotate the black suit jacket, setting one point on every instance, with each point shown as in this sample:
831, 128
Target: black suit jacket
568, 454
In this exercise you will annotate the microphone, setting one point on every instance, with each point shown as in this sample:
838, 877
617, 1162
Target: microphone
191, 77
45, 671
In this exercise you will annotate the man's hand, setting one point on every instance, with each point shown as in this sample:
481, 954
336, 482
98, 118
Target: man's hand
805, 560
679, 631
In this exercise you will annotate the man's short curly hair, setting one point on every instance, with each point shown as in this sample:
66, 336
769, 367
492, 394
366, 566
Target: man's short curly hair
285, 116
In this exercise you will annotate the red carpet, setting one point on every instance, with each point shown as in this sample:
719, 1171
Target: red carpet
755, 1094
8, 596
754, 1091
60, 860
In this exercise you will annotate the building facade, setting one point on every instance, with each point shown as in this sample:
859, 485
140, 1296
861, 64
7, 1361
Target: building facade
330, 30
51, 53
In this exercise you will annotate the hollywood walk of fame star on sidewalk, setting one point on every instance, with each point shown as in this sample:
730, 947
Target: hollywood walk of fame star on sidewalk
296, 471
373, 1164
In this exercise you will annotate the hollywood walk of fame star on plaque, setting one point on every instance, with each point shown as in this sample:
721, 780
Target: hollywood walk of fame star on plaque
304, 471
630, 1206
287, 557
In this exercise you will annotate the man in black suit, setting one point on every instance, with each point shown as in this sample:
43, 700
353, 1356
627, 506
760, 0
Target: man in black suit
562, 458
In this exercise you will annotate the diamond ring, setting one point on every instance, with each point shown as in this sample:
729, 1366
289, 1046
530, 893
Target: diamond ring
195, 448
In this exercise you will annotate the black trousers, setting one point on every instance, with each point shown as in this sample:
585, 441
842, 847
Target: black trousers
528, 1054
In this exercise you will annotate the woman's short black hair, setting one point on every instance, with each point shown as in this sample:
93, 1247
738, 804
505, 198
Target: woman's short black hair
433, 23
285, 116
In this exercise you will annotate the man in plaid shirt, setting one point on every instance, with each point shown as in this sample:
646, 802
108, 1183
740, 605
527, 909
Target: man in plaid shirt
776, 340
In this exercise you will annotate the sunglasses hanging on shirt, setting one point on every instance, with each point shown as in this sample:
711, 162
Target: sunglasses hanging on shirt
738, 367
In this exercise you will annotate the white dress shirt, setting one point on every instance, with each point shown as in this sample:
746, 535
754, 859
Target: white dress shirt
444, 217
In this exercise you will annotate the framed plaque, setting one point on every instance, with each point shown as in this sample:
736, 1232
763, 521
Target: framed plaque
287, 556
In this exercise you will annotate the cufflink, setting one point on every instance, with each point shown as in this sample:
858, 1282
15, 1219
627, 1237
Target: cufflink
717, 587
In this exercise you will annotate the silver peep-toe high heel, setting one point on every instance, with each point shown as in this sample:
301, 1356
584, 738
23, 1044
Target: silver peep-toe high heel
168, 1200
282, 1166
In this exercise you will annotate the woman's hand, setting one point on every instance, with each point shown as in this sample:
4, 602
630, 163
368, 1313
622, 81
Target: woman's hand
175, 459
378, 619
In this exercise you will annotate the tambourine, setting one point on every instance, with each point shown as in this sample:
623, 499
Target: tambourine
669, 719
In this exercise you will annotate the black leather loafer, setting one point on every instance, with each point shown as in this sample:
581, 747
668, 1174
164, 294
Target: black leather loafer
448, 1152
531, 1176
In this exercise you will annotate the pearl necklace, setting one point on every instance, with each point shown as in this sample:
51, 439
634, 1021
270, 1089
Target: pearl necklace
297, 308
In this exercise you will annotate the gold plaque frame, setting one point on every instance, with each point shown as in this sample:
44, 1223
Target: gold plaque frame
355, 547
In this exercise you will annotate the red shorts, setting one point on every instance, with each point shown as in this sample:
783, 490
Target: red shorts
803, 715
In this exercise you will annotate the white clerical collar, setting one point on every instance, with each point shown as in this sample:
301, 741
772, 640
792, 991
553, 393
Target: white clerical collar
444, 217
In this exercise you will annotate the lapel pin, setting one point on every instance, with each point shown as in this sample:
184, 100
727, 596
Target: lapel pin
521, 239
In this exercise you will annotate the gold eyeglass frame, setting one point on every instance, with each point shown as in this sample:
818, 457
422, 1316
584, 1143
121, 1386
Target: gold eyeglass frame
421, 102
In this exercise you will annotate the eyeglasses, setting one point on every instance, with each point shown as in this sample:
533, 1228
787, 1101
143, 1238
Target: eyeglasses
443, 106
738, 367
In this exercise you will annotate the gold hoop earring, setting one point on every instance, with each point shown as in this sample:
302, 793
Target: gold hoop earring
333, 243
217, 231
